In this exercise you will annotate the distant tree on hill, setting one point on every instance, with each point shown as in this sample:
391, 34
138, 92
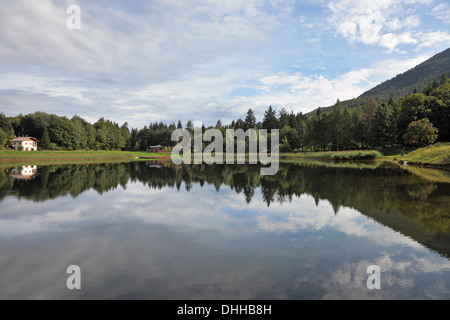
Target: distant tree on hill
430, 87
444, 79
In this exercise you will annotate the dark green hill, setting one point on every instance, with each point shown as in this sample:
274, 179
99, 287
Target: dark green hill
416, 78
404, 83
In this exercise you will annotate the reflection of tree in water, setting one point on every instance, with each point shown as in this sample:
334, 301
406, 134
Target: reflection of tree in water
420, 192
6, 182
366, 190
61, 180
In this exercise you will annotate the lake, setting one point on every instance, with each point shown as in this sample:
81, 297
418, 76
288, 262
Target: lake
149, 230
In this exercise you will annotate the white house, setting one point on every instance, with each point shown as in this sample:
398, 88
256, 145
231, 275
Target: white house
27, 143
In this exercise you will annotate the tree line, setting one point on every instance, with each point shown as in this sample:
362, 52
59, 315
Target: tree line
60, 133
415, 120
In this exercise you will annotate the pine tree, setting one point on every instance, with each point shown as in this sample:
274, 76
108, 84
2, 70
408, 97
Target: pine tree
346, 137
270, 121
190, 126
45, 140
250, 120
283, 118
369, 113
293, 120
317, 131
357, 125
240, 124
302, 132
384, 127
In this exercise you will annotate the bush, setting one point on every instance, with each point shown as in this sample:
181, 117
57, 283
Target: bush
356, 155
3, 138
285, 147
420, 133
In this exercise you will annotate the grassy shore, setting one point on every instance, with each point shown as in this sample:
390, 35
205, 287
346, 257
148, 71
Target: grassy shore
66, 157
434, 155
437, 155
333, 155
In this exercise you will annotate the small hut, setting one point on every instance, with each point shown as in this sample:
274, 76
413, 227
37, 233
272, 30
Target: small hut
154, 149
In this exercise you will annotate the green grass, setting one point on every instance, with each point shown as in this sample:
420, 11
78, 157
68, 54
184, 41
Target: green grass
333, 155
66, 157
336, 164
437, 154
356, 155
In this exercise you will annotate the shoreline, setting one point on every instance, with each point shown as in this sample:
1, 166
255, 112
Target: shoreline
59, 157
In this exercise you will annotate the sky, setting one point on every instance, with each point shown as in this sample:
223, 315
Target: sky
148, 61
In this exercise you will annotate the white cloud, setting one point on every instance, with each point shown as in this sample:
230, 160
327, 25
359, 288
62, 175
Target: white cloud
301, 92
391, 41
176, 57
387, 23
195, 59
429, 39
442, 12
50, 86
165, 40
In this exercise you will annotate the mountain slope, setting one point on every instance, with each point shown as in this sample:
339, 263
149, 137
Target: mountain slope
404, 83
415, 78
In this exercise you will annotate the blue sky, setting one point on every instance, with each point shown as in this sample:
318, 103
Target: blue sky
164, 60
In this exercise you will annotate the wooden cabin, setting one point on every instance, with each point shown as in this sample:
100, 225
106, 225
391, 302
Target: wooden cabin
155, 149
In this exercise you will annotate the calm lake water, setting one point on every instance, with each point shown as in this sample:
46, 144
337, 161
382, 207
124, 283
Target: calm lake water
154, 231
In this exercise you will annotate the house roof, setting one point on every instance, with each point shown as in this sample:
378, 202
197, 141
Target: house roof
21, 139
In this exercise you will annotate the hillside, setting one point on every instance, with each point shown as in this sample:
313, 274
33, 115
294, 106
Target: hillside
438, 154
415, 78
404, 83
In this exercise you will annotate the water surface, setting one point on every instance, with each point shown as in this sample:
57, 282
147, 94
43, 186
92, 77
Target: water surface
155, 231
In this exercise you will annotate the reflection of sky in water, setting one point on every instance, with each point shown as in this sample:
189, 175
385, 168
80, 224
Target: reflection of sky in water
204, 244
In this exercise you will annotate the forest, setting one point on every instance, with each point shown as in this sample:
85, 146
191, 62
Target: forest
412, 121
